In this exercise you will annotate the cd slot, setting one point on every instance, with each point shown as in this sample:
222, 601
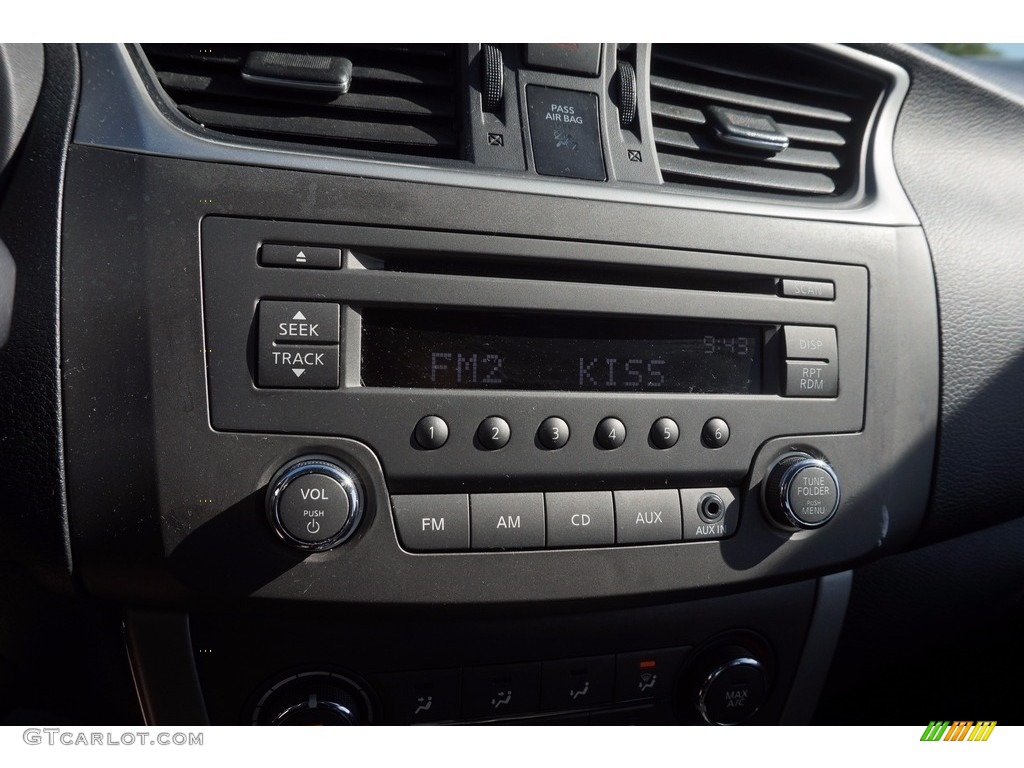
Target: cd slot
584, 273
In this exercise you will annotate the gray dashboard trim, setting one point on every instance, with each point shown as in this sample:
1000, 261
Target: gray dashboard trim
822, 637
117, 112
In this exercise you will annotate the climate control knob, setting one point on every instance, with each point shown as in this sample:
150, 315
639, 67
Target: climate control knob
801, 492
313, 698
315, 503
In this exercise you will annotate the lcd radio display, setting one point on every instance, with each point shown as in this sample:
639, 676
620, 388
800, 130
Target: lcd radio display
483, 350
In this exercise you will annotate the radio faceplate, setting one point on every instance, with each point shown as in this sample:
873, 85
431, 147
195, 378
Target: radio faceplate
301, 372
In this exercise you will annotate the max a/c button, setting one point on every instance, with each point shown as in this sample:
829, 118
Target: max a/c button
432, 522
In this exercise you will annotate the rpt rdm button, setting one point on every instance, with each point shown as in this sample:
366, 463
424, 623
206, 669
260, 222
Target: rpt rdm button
809, 379
294, 366
432, 522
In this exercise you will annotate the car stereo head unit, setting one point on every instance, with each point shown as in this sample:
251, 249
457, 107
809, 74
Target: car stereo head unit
456, 358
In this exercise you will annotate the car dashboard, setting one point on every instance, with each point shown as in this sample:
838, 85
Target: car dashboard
500, 383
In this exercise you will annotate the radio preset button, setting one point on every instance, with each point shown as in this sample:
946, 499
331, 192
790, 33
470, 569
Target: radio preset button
493, 433
580, 519
715, 433
611, 433
664, 433
432, 522
646, 517
507, 520
553, 433
431, 433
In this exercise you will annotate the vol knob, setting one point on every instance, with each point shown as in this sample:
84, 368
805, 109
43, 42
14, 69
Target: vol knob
801, 492
315, 503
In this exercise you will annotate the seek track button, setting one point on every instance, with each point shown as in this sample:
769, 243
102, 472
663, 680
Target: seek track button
294, 366
305, 322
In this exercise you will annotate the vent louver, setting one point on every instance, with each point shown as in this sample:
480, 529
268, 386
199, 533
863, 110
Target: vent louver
402, 98
823, 107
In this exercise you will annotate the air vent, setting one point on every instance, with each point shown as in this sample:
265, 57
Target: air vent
808, 114
399, 99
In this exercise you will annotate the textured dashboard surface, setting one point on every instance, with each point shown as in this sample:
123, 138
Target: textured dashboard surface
32, 518
960, 155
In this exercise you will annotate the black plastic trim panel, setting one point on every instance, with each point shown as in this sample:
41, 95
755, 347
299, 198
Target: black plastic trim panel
166, 508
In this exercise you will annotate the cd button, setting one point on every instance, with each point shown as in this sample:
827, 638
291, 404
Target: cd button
580, 519
493, 433
611, 433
